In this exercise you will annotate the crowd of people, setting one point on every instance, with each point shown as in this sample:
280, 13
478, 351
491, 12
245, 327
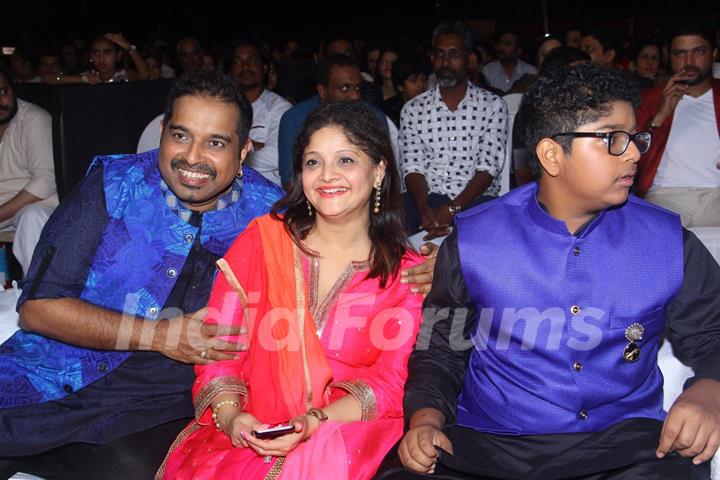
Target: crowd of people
250, 266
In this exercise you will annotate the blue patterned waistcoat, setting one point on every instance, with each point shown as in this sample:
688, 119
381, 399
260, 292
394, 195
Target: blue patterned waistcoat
141, 254
553, 310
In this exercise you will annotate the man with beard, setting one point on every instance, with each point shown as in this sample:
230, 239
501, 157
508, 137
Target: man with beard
248, 65
508, 68
452, 139
97, 384
681, 171
27, 173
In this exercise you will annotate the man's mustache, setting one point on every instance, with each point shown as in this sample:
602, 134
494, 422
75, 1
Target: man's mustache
181, 163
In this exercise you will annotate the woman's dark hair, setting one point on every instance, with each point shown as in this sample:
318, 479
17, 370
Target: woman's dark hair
363, 127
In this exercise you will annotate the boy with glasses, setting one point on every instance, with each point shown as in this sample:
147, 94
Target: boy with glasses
538, 352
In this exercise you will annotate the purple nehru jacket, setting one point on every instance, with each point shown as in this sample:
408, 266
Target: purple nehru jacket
553, 310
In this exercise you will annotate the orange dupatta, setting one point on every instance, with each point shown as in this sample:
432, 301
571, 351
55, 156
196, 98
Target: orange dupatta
289, 372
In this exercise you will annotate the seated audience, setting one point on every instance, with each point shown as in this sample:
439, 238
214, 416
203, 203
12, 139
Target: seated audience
247, 67
410, 77
452, 139
646, 63
681, 172
603, 46
508, 68
27, 172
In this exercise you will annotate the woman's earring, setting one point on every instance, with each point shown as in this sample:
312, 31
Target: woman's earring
310, 210
376, 209
239, 175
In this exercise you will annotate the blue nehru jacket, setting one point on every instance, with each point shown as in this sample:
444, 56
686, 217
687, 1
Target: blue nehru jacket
142, 251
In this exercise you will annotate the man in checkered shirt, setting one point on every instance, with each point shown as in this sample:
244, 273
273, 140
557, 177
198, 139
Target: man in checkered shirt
452, 139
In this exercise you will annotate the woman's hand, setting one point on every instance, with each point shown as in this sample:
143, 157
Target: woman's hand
304, 425
238, 428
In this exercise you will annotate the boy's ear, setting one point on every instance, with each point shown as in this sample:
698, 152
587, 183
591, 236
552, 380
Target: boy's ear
550, 154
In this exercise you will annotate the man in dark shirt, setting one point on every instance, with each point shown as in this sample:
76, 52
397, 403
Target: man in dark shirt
565, 288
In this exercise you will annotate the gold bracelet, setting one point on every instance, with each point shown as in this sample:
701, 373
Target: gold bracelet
317, 413
217, 408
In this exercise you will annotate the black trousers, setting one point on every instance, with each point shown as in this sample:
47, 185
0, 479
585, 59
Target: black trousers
623, 451
135, 456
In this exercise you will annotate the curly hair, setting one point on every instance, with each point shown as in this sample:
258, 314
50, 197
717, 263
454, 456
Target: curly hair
363, 128
214, 85
564, 98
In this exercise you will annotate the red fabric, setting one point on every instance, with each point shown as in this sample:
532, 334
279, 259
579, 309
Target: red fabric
649, 163
368, 336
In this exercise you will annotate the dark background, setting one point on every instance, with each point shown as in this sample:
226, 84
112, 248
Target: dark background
45, 21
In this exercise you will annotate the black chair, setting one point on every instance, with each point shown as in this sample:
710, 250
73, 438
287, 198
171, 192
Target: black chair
90, 120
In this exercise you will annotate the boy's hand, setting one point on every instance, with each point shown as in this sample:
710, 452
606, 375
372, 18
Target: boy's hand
422, 275
417, 448
692, 427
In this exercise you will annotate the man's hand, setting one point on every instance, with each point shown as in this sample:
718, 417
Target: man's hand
692, 427
119, 40
417, 448
189, 339
435, 221
422, 275
672, 93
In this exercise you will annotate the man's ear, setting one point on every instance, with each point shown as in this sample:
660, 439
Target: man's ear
244, 151
550, 155
322, 91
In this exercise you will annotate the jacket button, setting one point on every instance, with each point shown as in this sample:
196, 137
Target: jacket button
574, 309
577, 366
583, 415
171, 273
189, 237
102, 367
576, 251
152, 311
68, 388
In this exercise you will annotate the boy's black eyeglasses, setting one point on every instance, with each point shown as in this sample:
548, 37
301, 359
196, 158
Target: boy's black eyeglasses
617, 141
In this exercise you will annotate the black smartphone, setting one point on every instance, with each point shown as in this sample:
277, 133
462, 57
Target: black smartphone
273, 432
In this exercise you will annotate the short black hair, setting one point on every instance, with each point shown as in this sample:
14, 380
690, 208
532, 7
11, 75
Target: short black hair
406, 67
7, 74
324, 67
608, 38
694, 26
459, 28
214, 85
261, 47
564, 98
565, 56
